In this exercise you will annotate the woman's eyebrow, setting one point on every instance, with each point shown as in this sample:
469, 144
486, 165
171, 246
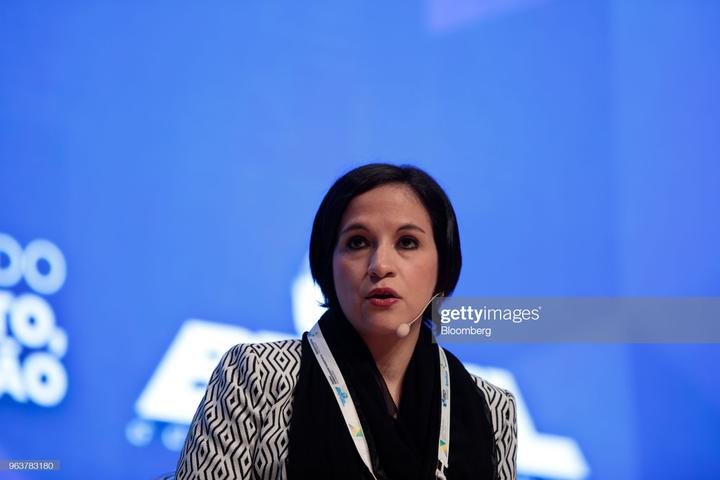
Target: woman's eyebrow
353, 226
410, 226
360, 226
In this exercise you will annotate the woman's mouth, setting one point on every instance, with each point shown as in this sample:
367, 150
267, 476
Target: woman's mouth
382, 302
382, 297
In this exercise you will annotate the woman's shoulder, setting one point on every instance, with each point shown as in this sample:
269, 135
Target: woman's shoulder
251, 386
290, 346
494, 392
264, 374
263, 358
500, 401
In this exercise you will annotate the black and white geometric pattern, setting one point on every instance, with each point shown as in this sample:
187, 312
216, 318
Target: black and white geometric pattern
240, 429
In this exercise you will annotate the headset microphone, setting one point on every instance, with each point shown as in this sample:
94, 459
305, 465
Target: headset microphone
403, 330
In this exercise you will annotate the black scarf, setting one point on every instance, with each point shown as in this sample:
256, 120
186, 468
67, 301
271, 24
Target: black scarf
401, 448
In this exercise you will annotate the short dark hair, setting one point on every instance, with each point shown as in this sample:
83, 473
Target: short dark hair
362, 179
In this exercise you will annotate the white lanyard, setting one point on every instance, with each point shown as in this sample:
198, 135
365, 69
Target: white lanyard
347, 407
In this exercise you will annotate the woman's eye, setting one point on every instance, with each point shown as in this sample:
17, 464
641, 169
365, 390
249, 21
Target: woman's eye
356, 242
408, 243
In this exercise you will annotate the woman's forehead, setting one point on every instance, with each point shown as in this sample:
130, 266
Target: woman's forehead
387, 206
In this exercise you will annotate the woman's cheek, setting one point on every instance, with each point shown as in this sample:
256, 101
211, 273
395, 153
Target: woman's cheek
345, 281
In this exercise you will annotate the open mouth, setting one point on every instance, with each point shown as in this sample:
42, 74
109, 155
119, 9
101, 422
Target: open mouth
382, 295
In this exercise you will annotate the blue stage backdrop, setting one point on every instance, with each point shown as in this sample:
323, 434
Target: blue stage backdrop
161, 163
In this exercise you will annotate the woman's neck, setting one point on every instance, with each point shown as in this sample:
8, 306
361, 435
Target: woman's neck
392, 356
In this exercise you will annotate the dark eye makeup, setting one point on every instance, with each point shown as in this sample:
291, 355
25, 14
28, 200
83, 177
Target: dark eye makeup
356, 242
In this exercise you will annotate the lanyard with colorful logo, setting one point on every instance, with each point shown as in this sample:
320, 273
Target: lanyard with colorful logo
347, 407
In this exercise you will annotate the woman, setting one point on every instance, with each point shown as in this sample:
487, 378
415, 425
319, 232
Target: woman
366, 394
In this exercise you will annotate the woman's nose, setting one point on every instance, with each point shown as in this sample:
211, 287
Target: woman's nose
381, 263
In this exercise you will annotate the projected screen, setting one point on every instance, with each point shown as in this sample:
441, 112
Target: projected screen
161, 165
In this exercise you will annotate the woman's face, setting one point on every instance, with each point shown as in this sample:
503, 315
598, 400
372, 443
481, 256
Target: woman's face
385, 241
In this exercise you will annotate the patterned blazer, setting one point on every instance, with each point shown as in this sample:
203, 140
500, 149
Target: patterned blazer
240, 429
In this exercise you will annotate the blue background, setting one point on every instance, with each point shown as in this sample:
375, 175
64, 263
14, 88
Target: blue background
176, 153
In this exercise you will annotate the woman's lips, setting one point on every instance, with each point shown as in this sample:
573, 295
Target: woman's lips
382, 302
